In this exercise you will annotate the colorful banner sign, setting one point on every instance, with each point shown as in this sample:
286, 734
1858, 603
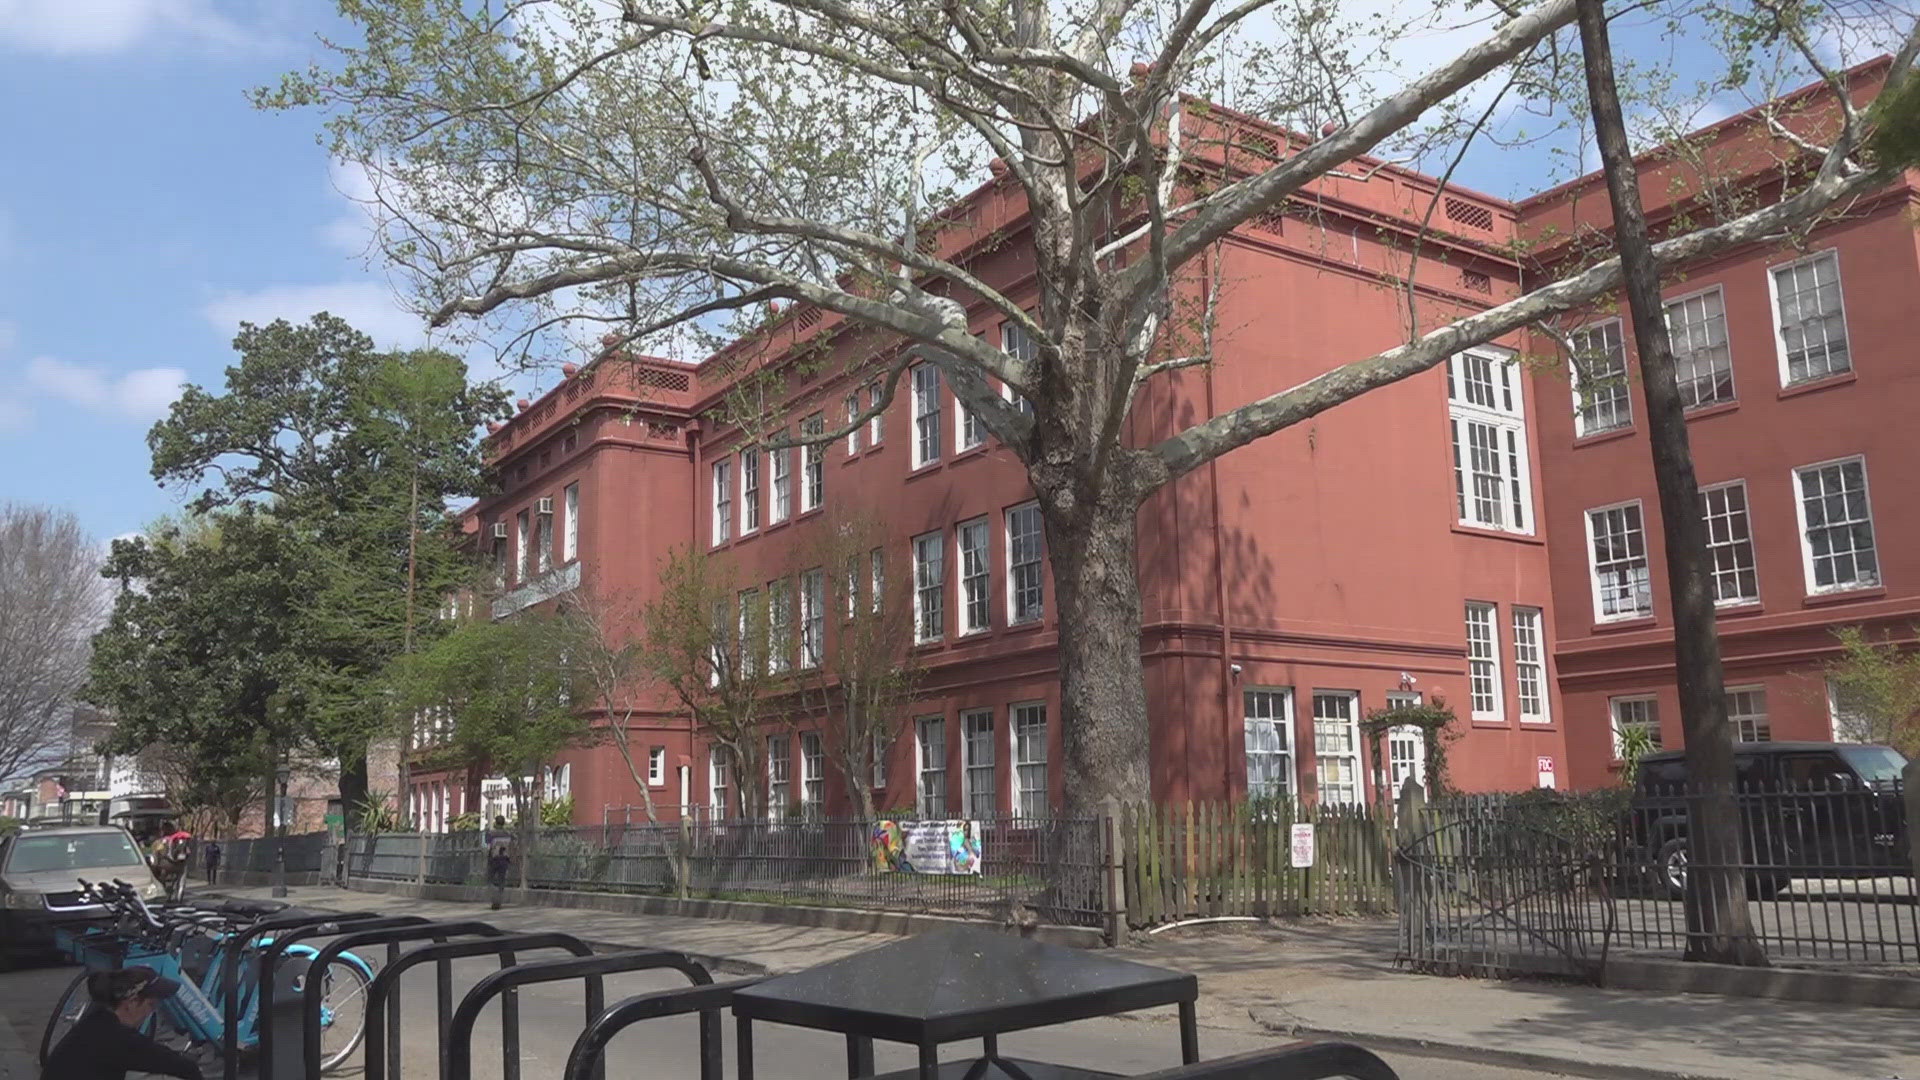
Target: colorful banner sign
927, 847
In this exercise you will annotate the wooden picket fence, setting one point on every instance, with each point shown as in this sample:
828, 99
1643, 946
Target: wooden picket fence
1201, 860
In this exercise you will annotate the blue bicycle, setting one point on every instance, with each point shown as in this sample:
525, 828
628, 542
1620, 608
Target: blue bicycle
190, 944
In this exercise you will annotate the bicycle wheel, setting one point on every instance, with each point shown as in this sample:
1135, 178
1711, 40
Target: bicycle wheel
343, 1011
66, 1013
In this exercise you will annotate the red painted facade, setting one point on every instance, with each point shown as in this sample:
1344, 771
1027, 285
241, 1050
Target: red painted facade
1316, 571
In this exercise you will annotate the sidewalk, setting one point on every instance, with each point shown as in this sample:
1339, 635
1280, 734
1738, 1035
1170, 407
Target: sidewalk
1338, 979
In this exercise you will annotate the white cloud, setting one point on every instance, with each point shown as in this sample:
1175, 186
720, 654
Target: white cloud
369, 306
140, 394
353, 231
110, 26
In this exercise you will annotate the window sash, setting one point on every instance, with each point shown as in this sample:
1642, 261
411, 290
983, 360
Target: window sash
813, 617
781, 461
1026, 548
1634, 712
779, 776
1336, 747
1267, 743
722, 501
1029, 731
1724, 509
926, 415
570, 524
974, 614
1617, 552
779, 627
977, 754
749, 491
929, 599
1702, 359
877, 563
657, 765
930, 746
853, 431
1836, 526
1747, 712
522, 548
875, 425
1601, 400
1810, 319
813, 773
813, 460
1483, 663
1529, 665
1017, 343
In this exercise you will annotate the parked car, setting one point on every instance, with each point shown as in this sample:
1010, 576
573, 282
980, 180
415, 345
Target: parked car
1807, 810
40, 872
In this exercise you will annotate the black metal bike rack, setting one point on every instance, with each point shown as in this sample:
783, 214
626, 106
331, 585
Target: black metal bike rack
384, 985
457, 1050
230, 972
584, 1061
269, 959
391, 937
1300, 1061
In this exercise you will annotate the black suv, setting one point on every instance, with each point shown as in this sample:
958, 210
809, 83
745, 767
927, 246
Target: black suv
1808, 810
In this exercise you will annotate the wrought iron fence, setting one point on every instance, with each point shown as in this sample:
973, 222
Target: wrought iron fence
1823, 873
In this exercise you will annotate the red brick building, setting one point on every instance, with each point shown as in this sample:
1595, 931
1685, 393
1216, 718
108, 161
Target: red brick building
1426, 540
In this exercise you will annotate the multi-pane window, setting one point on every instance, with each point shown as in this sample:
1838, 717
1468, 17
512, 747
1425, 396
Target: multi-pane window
1017, 343
973, 576
1729, 543
813, 774
1268, 743
976, 753
1600, 398
877, 562
874, 426
1634, 714
813, 457
749, 491
1026, 588
1486, 411
1529, 665
1810, 319
1030, 760
1617, 543
853, 585
1336, 745
570, 523
543, 538
926, 414
968, 432
929, 591
1836, 526
853, 431
1747, 712
882, 743
1483, 662
523, 544
722, 500
1406, 746
779, 626
1702, 362
719, 780
1851, 723
813, 617
656, 766
750, 615
779, 464
779, 776
930, 745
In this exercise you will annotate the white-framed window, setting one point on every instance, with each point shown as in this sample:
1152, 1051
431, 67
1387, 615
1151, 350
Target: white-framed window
750, 611
1601, 401
1026, 549
972, 541
1483, 663
719, 780
877, 564
1702, 360
930, 754
813, 774
874, 425
813, 457
1747, 712
722, 501
523, 544
1836, 526
779, 626
1638, 712
779, 464
926, 415
1849, 722
1406, 746
656, 766
968, 431
1617, 555
1487, 414
1336, 746
1730, 543
1267, 742
543, 541
853, 586
1810, 320
976, 757
779, 776
1030, 796
1017, 343
929, 588
853, 431
1530, 664
749, 491
570, 523
813, 617
881, 746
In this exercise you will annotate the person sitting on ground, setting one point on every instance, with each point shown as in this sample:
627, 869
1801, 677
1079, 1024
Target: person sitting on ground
107, 1044
499, 858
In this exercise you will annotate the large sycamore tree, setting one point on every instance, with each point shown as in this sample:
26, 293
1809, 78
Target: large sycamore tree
656, 167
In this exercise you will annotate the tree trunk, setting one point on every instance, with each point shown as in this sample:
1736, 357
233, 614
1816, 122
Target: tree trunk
353, 782
1719, 925
1103, 692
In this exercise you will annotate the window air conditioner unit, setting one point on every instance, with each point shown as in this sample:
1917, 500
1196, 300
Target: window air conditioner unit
546, 506
499, 530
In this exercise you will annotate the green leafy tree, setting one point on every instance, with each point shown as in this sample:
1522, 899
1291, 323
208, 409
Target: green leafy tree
1876, 690
359, 452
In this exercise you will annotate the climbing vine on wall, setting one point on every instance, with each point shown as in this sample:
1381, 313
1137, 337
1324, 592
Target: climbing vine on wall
1435, 719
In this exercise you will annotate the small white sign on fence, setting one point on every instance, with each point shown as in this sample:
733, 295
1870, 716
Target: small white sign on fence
1303, 845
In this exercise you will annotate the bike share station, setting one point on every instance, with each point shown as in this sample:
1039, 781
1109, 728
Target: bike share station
951, 985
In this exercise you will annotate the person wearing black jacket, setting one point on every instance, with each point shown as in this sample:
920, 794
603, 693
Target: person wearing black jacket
106, 1044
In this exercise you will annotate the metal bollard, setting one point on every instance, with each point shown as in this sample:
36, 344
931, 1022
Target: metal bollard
279, 872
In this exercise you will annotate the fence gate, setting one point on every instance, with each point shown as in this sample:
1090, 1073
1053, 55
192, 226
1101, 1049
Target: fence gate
1479, 895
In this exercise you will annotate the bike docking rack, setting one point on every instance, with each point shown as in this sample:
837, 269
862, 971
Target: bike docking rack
456, 1056
230, 972
584, 1062
392, 937
270, 955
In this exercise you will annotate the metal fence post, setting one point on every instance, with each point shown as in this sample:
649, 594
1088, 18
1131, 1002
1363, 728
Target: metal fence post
1910, 790
1115, 892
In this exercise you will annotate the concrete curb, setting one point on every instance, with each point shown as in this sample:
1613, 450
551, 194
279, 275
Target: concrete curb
1480, 1054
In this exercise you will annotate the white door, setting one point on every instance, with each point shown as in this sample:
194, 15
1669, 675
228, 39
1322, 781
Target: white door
1406, 757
